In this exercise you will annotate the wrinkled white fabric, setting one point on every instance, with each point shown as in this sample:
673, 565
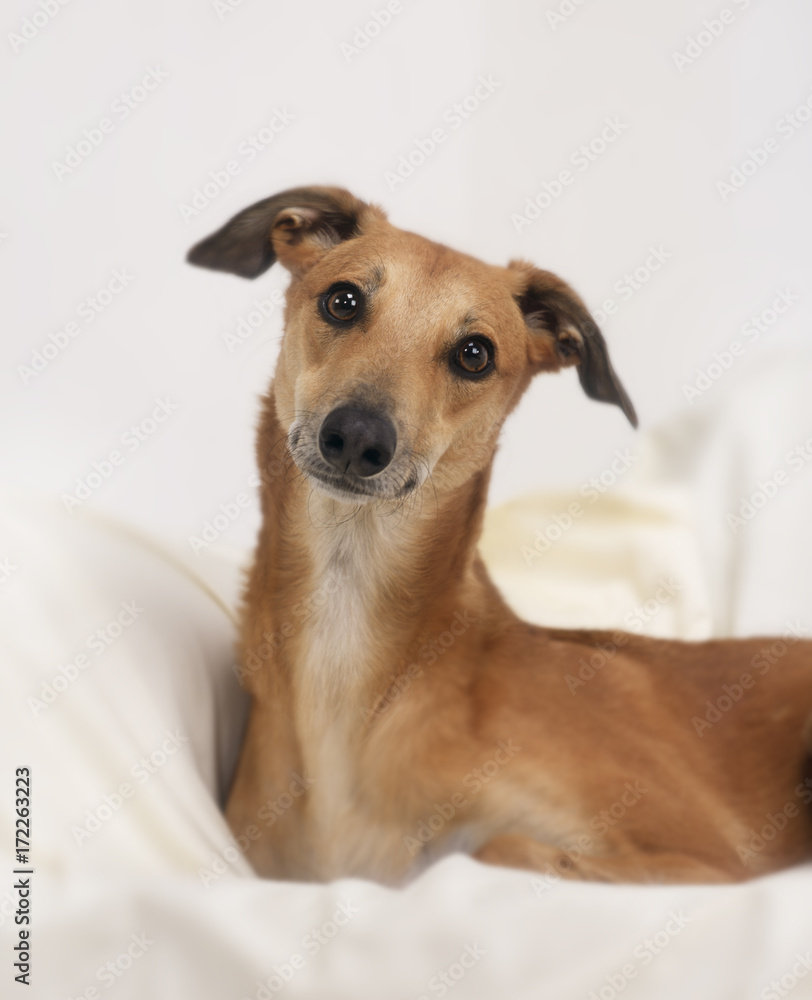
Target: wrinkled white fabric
158, 710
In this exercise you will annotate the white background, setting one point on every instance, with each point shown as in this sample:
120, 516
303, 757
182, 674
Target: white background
163, 338
355, 116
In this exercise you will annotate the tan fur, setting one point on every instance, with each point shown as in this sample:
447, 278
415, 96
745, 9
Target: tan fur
346, 597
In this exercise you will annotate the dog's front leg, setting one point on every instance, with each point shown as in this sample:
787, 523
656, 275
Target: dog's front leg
519, 851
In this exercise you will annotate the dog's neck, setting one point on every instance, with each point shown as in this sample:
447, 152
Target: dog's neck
352, 592
346, 606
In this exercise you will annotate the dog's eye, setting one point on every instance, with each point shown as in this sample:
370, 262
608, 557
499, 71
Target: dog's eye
473, 356
342, 303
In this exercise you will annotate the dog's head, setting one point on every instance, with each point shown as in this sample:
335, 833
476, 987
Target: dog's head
401, 357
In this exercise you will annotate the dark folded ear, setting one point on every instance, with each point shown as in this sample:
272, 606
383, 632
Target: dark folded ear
563, 333
296, 227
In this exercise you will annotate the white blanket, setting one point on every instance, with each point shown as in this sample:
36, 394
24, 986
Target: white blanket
117, 691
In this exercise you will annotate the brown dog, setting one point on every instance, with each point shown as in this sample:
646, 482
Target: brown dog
400, 709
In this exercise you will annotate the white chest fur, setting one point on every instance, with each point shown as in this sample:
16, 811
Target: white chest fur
352, 561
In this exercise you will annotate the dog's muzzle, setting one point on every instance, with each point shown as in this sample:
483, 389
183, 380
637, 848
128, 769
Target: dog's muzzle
357, 442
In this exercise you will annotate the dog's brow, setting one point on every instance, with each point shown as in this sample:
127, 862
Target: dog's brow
372, 279
470, 321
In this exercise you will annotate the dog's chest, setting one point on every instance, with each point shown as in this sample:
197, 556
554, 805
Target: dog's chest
338, 653
346, 580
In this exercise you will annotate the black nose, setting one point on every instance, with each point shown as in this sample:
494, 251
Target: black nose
357, 442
